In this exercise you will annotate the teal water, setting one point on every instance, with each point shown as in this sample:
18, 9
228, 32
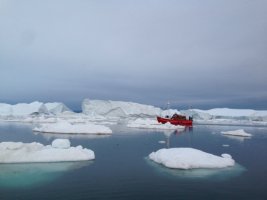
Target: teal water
121, 169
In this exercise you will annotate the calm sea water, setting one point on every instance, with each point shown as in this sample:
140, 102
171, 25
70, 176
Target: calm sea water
122, 171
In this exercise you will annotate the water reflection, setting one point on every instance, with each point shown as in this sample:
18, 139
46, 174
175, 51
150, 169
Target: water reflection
220, 174
35, 174
169, 133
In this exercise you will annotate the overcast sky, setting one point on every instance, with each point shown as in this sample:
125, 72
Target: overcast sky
201, 53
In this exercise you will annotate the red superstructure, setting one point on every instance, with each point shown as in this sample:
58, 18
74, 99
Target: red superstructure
176, 120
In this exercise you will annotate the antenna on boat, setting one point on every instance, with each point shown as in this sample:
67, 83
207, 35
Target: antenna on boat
168, 105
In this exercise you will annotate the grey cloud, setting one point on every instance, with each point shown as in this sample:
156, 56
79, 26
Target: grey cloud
145, 51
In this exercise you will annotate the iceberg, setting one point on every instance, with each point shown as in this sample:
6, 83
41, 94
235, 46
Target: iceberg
5, 109
119, 109
152, 124
22, 109
189, 158
66, 127
32, 112
239, 132
229, 116
57, 108
59, 151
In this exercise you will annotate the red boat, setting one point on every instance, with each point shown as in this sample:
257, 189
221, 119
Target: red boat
176, 120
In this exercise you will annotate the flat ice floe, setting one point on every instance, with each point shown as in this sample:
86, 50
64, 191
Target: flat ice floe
59, 151
66, 127
189, 158
239, 132
152, 124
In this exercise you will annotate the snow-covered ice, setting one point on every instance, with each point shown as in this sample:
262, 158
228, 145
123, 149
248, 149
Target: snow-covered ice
239, 132
57, 108
18, 152
34, 108
22, 109
61, 144
228, 116
152, 124
118, 109
66, 127
189, 158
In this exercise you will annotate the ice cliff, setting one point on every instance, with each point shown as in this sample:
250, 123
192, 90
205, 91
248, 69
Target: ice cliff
227, 113
34, 108
119, 109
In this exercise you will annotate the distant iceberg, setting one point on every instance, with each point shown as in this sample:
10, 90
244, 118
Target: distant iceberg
189, 158
57, 108
23, 110
121, 109
227, 113
227, 116
59, 151
63, 126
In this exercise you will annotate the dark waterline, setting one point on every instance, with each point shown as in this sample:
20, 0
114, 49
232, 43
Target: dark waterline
122, 171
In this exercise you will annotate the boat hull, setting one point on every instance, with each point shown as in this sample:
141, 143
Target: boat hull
182, 122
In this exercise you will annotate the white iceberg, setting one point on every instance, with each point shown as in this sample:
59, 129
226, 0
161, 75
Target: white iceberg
152, 124
121, 109
66, 127
18, 152
22, 109
57, 108
239, 132
117, 108
61, 144
228, 116
5, 109
189, 158
32, 112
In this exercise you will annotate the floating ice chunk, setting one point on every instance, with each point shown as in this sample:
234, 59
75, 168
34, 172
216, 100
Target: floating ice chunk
189, 158
18, 152
61, 143
239, 132
66, 127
